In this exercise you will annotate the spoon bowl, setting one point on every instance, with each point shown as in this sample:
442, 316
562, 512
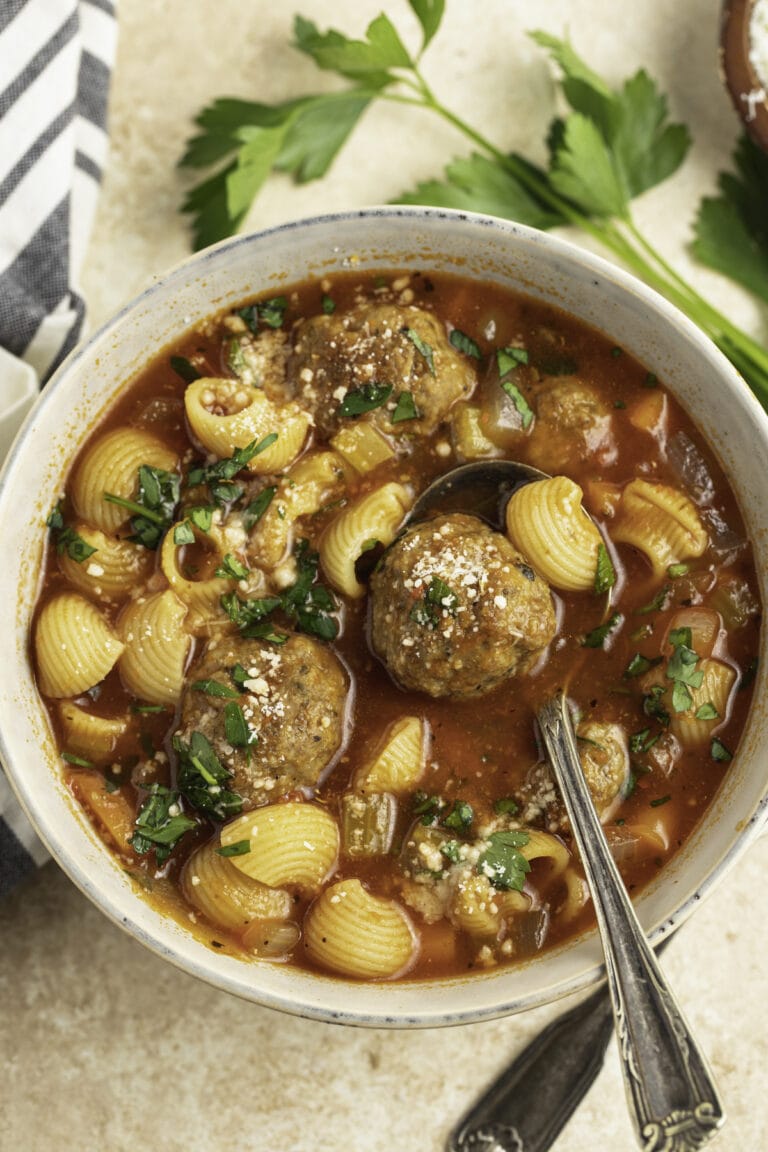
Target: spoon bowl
482, 488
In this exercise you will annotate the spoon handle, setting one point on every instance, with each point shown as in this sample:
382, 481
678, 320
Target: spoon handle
672, 1096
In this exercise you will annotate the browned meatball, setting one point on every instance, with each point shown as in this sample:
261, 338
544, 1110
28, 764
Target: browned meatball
456, 609
386, 345
293, 702
573, 424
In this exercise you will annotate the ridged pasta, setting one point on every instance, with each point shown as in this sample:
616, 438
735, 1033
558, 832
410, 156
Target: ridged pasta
308, 484
112, 465
290, 843
660, 521
362, 446
399, 762
156, 648
88, 735
469, 440
350, 931
576, 894
474, 907
226, 895
543, 844
715, 689
376, 517
116, 567
112, 811
74, 645
226, 414
547, 523
201, 596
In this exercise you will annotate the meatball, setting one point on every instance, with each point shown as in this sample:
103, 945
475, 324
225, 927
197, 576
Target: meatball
573, 424
293, 702
403, 348
456, 609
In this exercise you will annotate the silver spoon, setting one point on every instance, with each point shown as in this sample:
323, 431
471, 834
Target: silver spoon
673, 1101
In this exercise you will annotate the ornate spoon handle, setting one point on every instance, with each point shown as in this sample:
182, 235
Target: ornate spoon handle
672, 1096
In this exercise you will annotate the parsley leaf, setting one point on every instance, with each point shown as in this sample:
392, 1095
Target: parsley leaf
184, 368
239, 848
368, 59
224, 470
605, 575
463, 343
270, 312
67, 539
154, 506
405, 409
437, 599
214, 688
503, 862
421, 346
429, 13
598, 636
236, 730
160, 823
357, 401
257, 507
202, 778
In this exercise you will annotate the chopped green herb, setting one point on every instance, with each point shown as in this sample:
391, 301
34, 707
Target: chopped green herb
327, 304
597, 637
659, 801
269, 312
183, 534
160, 824
521, 404
681, 696
719, 752
748, 675
639, 665
78, 761
405, 409
245, 613
503, 862
202, 778
509, 358
369, 545
154, 506
619, 404
148, 709
239, 848
460, 817
451, 849
214, 688
605, 574
651, 380
239, 676
674, 571
707, 711
463, 343
258, 506
652, 705
628, 787
67, 539
236, 361
658, 604
505, 806
236, 730
438, 598
427, 807
615, 352
357, 401
640, 742
231, 568
421, 346
185, 369
228, 468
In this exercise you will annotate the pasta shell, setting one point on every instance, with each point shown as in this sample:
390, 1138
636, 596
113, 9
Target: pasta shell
227, 414
113, 571
74, 644
156, 648
309, 484
112, 465
547, 523
88, 735
201, 596
543, 844
352, 932
715, 690
227, 896
376, 517
290, 843
661, 522
399, 763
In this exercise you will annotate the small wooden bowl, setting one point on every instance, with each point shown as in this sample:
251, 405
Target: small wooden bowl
748, 92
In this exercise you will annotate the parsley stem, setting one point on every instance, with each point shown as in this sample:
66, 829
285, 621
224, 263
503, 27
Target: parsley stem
137, 509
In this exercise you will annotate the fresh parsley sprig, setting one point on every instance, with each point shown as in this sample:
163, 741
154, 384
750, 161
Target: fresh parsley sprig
154, 506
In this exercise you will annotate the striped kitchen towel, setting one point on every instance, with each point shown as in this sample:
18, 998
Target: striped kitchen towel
56, 58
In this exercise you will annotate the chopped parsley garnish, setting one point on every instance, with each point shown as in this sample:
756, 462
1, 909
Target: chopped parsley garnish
405, 409
509, 358
427, 807
270, 312
148, 709
225, 470
639, 665
239, 676
707, 711
160, 823
659, 801
364, 399
681, 669
328, 304
154, 506
231, 568
505, 806
236, 361
615, 352
675, 571
202, 778
451, 849
460, 817
183, 534
66, 539
246, 613
214, 688
643, 741
185, 369
658, 603
463, 343
719, 752
652, 705
651, 380
258, 506
236, 729
438, 598
605, 574
521, 404
503, 862
78, 761
421, 346
239, 848
597, 637
305, 602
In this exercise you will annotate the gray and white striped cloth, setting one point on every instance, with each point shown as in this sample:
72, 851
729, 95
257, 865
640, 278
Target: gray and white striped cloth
56, 58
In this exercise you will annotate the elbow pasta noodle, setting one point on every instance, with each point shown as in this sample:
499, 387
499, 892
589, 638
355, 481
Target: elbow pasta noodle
362, 446
113, 571
112, 811
715, 690
661, 522
112, 465
202, 597
227, 414
355, 933
399, 763
547, 523
156, 647
290, 843
227, 896
88, 735
469, 440
307, 486
376, 517
74, 644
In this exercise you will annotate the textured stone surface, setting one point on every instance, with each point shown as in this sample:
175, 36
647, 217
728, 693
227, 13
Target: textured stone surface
106, 1048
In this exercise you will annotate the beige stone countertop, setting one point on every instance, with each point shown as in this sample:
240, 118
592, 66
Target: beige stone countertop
103, 1046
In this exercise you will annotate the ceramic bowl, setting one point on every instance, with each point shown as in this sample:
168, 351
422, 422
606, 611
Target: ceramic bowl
548, 269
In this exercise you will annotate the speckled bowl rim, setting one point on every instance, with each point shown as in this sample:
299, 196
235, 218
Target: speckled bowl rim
377, 1005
